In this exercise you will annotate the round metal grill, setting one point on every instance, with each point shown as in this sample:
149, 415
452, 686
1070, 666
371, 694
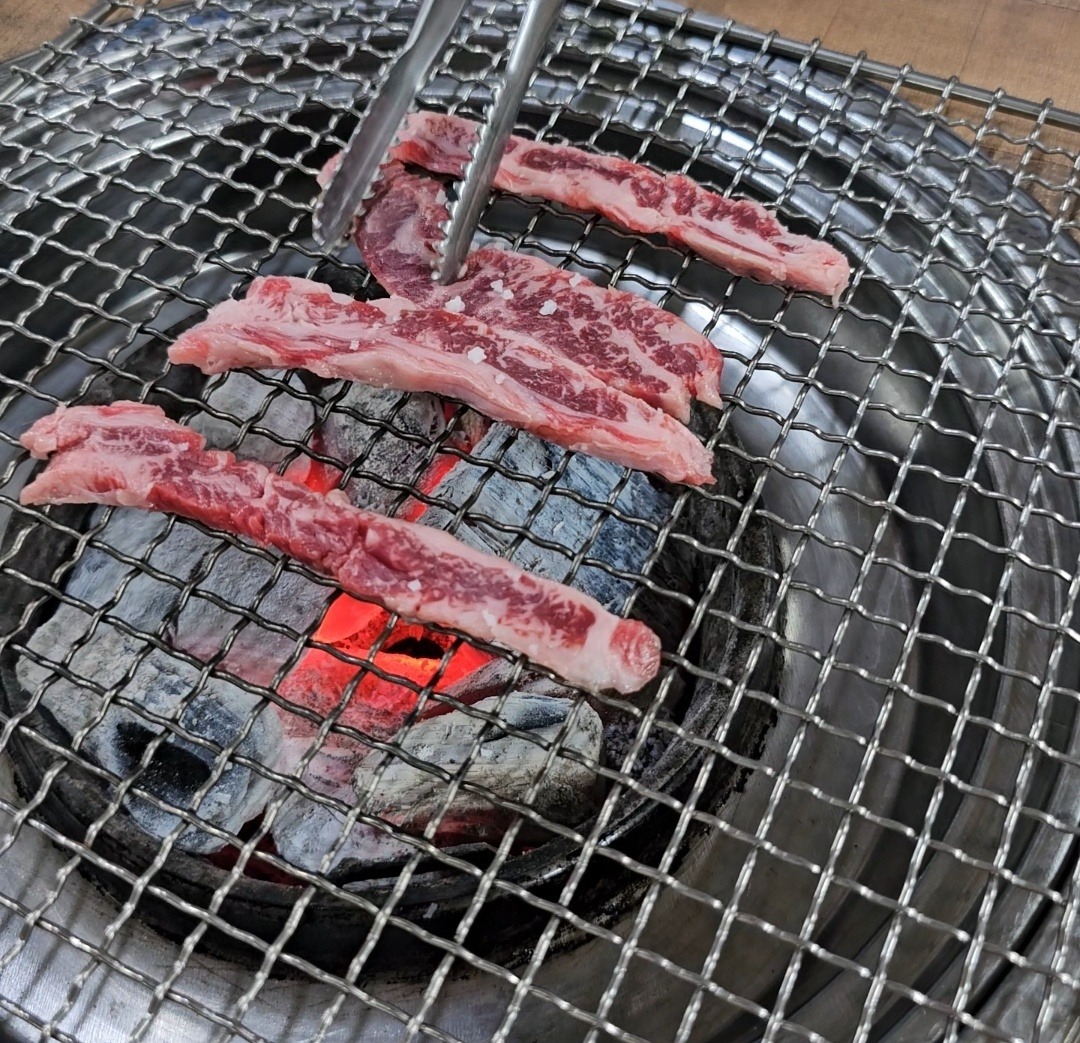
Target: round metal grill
876, 834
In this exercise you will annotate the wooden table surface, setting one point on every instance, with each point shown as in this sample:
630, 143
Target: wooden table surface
1026, 46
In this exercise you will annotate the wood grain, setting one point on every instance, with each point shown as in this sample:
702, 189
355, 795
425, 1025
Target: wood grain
25, 25
1026, 46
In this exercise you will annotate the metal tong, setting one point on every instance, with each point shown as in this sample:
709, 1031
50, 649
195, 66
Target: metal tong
352, 182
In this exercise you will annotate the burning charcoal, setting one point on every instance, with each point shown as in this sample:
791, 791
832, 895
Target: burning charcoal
504, 764
330, 769
269, 408
305, 831
494, 678
172, 689
354, 436
561, 520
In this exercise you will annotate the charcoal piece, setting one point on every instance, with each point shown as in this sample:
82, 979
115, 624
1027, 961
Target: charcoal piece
329, 769
306, 830
100, 578
239, 578
172, 689
351, 434
620, 732
349, 279
561, 520
197, 625
247, 581
270, 409
494, 678
506, 765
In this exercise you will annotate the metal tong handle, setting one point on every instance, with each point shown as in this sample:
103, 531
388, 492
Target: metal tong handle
534, 32
371, 140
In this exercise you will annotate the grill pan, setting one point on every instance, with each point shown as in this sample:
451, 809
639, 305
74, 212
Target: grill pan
877, 834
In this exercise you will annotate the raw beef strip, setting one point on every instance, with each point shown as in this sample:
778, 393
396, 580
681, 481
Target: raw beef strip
737, 234
132, 455
294, 323
620, 338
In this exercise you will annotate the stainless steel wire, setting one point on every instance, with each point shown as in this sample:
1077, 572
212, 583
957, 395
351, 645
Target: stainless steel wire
899, 857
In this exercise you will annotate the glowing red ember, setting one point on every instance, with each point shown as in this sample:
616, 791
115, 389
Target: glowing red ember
409, 657
376, 705
316, 475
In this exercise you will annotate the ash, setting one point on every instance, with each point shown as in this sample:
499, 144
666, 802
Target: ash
621, 730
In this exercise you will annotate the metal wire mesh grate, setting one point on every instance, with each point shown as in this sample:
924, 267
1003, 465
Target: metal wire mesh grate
892, 854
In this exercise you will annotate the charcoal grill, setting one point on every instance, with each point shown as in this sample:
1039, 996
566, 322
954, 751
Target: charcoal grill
870, 831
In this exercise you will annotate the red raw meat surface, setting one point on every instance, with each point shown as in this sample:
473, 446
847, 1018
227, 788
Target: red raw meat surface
620, 338
295, 323
132, 455
737, 234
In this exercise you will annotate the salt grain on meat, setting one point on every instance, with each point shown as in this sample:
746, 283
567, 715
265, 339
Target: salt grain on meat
288, 323
738, 234
130, 454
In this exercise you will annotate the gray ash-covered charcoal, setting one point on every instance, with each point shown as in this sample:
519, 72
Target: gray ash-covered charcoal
123, 666
191, 620
305, 831
196, 569
503, 764
562, 520
254, 417
325, 765
101, 578
256, 583
495, 678
352, 433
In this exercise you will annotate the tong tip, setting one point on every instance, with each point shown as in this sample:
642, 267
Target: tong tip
478, 177
327, 228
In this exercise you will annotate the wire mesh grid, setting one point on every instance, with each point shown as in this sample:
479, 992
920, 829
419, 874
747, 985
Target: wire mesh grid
897, 858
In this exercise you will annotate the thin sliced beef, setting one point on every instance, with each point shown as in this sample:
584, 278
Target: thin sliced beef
620, 338
737, 234
294, 323
132, 455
